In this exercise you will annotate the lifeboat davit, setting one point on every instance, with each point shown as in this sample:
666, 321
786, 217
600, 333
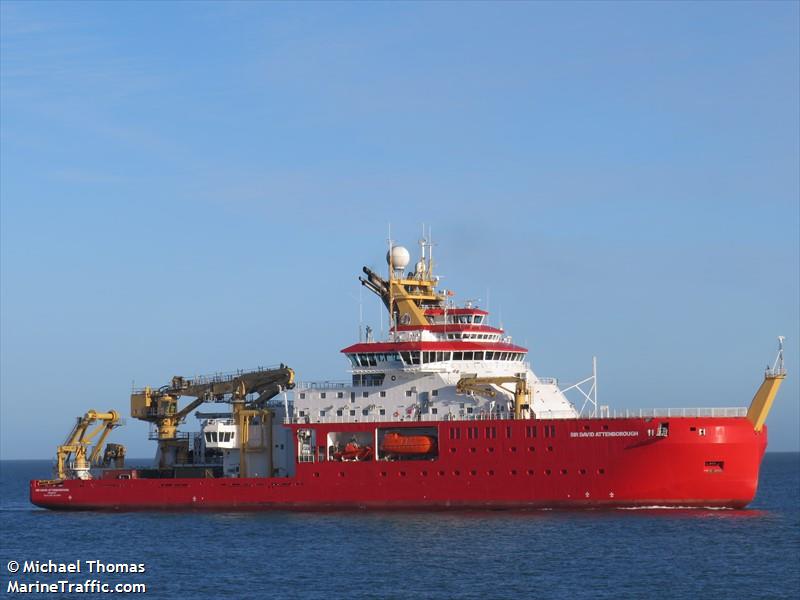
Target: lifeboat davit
396, 443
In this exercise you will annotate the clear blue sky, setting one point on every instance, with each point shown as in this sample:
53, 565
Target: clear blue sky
194, 187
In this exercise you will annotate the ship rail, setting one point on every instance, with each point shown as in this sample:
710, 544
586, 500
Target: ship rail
320, 385
220, 377
715, 411
627, 413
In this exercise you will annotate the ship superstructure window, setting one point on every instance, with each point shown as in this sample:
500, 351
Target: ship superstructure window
411, 358
434, 392
430, 357
322, 395
383, 393
340, 394
372, 359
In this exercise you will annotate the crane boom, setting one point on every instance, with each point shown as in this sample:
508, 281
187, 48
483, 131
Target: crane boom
483, 387
160, 406
80, 438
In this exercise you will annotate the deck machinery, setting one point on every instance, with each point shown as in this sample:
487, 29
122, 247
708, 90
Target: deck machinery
246, 391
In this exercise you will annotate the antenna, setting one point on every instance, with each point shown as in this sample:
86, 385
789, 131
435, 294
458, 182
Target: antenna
391, 278
360, 313
380, 314
430, 253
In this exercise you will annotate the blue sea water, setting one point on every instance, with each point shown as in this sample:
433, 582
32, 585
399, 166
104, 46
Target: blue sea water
689, 553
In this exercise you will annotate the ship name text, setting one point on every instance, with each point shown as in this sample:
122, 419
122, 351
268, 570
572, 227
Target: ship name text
594, 434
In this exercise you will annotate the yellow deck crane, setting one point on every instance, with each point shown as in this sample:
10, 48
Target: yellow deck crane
79, 440
160, 407
483, 387
762, 401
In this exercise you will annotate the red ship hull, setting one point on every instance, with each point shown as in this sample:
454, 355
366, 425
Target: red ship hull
578, 463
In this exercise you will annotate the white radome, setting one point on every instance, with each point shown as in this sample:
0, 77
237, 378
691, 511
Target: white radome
400, 257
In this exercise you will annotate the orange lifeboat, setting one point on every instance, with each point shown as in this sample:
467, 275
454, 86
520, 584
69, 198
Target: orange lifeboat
352, 451
396, 443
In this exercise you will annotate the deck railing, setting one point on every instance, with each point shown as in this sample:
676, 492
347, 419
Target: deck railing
642, 413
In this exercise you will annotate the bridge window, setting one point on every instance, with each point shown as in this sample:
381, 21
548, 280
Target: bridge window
478, 319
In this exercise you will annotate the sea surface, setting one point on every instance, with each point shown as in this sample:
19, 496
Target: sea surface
644, 553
